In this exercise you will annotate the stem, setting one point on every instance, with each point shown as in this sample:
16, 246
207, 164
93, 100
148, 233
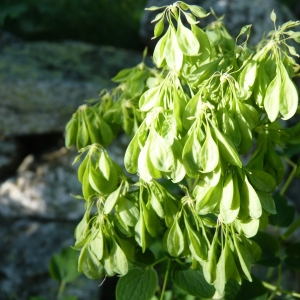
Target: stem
159, 261
290, 178
61, 289
290, 230
279, 292
165, 280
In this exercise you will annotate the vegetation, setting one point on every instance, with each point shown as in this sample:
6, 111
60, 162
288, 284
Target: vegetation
189, 217
102, 22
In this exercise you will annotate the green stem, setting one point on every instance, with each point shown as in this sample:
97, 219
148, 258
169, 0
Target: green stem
61, 289
279, 292
290, 178
159, 261
165, 280
290, 230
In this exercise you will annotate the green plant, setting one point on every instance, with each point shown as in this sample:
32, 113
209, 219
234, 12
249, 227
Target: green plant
63, 268
195, 213
101, 22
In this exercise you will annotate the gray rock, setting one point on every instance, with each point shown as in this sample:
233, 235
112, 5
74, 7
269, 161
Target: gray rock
10, 157
237, 14
43, 83
26, 249
43, 189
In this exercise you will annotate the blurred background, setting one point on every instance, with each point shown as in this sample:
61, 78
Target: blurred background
54, 54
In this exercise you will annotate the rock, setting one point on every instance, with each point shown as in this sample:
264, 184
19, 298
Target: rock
43, 83
237, 14
27, 246
10, 157
42, 189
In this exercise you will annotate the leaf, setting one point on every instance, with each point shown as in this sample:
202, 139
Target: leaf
119, 259
63, 266
91, 267
227, 149
173, 54
187, 41
273, 16
249, 226
209, 155
292, 258
267, 202
243, 257
96, 245
161, 153
254, 290
175, 240
137, 284
260, 180
192, 281
71, 132
269, 249
159, 28
248, 75
198, 11
251, 199
230, 200
111, 200
159, 50
272, 97
191, 155
127, 211
132, 154
288, 95
285, 212
246, 134
208, 198
150, 98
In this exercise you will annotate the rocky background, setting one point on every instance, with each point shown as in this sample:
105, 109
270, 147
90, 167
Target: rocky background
41, 84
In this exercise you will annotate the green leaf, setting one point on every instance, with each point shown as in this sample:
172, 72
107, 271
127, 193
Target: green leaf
198, 11
288, 95
111, 201
191, 155
137, 284
96, 245
285, 212
159, 50
173, 54
230, 200
63, 266
267, 202
227, 149
207, 197
272, 97
159, 28
254, 290
192, 281
209, 155
161, 153
175, 240
246, 134
187, 41
248, 75
273, 16
260, 180
251, 199
292, 258
269, 249
119, 259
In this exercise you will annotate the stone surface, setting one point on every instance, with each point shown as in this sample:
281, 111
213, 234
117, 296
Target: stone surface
43, 189
27, 246
43, 83
237, 14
